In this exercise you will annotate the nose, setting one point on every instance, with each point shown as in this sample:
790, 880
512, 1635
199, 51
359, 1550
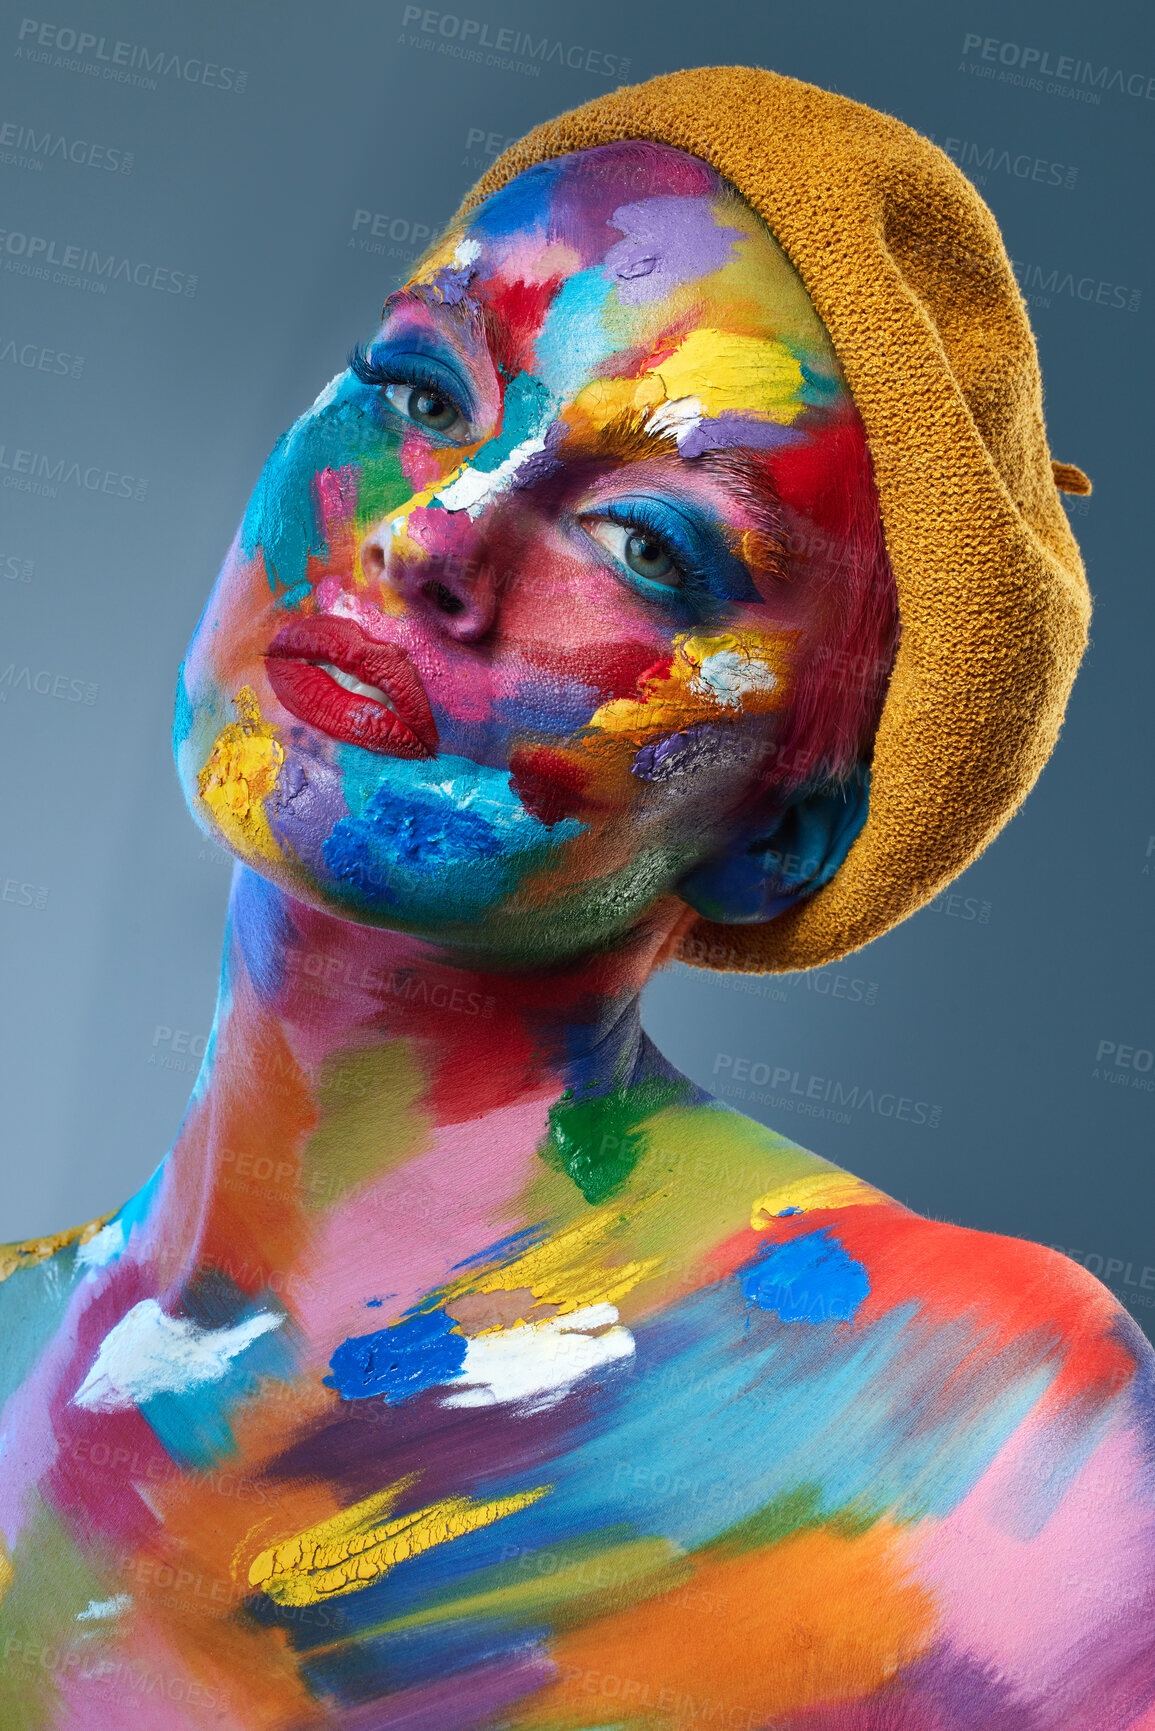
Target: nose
446, 581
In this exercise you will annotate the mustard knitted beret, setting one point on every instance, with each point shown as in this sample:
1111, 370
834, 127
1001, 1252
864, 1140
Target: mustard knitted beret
906, 268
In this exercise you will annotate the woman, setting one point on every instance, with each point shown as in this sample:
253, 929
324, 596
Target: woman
464, 1365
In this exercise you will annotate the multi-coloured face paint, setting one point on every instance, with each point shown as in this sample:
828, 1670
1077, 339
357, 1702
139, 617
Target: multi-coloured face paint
464, 1367
508, 634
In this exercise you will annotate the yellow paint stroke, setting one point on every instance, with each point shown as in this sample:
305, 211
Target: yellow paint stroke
570, 1270
240, 774
354, 1549
733, 374
822, 1190
710, 677
722, 372
7, 1572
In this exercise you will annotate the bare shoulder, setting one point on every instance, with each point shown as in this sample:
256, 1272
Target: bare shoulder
960, 1306
1016, 1284
993, 1310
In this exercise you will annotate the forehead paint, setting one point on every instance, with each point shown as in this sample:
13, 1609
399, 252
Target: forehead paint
725, 370
716, 388
668, 241
574, 341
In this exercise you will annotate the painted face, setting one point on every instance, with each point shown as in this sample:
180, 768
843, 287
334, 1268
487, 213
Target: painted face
511, 623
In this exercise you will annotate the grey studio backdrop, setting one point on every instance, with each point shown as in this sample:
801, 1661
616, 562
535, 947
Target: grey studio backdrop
268, 170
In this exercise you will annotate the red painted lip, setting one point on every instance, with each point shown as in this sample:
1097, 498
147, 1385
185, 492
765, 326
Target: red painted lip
312, 695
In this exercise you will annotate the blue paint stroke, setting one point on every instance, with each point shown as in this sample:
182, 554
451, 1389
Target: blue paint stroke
807, 1279
424, 838
507, 1250
417, 1353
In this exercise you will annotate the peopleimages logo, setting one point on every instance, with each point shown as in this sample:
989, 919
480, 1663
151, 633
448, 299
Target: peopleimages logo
39, 358
37, 256
1033, 67
121, 62
33, 472
817, 1096
1042, 285
979, 160
499, 45
25, 147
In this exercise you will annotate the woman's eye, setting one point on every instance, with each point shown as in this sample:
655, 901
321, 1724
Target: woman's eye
641, 551
425, 408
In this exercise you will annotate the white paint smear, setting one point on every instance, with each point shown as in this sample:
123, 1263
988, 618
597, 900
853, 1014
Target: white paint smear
472, 489
326, 395
681, 416
537, 1362
730, 677
149, 1353
466, 252
102, 1246
101, 1609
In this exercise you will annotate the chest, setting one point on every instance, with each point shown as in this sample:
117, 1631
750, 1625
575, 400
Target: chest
709, 1505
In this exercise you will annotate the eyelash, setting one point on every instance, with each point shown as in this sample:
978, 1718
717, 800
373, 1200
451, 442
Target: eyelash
639, 515
411, 370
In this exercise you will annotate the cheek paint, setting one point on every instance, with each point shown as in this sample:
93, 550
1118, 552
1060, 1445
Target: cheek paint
707, 678
239, 776
335, 494
708, 681
421, 463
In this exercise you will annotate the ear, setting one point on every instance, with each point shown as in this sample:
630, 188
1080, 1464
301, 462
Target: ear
759, 874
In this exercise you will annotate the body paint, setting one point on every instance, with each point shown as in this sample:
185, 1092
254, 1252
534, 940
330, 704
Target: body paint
464, 1365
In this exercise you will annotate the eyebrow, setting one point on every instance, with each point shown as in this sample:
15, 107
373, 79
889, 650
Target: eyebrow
464, 317
627, 438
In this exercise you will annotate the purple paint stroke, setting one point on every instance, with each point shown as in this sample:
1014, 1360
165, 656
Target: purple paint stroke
668, 241
944, 1691
691, 750
451, 283
307, 803
678, 753
718, 431
456, 1703
540, 465
456, 1448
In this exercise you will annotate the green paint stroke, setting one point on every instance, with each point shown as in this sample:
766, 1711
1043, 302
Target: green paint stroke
370, 1120
795, 1511
598, 1141
43, 1645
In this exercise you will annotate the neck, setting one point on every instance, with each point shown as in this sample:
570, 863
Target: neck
345, 1060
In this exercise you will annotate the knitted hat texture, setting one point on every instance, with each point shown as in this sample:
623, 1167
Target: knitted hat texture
906, 268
